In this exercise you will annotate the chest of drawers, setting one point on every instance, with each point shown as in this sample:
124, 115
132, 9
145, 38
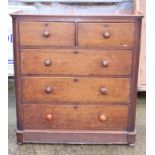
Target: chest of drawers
76, 78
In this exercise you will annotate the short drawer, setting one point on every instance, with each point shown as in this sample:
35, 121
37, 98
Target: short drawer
75, 62
106, 34
68, 117
46, 34
69, 89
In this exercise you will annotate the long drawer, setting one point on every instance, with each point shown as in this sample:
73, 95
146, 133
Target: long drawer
76, 62
47, 34
68, 117
69, 89
106, 34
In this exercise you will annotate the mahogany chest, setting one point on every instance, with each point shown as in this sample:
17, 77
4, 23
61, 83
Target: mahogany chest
76, 78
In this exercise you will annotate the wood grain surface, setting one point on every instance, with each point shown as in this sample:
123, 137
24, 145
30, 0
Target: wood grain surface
75, 117
76, 62
75, 89
60, 34
92, 34
76, 77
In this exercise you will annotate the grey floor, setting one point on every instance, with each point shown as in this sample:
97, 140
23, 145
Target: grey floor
44, 149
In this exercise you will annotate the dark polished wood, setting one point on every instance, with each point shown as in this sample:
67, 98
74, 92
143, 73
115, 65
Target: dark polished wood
74, 137
76, 77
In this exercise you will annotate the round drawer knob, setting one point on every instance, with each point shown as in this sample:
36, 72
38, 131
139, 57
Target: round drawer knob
102, 118
103, 90
47, 62
48, 89
104, 63
49, 117
106, 35
76, 52
46, 34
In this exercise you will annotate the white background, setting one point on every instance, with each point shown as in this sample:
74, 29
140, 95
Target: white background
3, 78
150, 56
70, 0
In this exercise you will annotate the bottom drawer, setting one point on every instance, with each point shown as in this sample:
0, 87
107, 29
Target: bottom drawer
79, 117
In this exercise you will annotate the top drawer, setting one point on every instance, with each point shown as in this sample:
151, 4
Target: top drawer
47, 33
106, 34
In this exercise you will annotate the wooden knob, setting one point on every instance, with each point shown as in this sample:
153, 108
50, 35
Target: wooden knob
48, 89
46, 34
49, 117
102, 118
47, 62
103, 90
76, 52
104, 63
106, 35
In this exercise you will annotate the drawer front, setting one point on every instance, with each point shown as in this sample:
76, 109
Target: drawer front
106, 34
47, 33
65, 62
75, 117
58, 89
